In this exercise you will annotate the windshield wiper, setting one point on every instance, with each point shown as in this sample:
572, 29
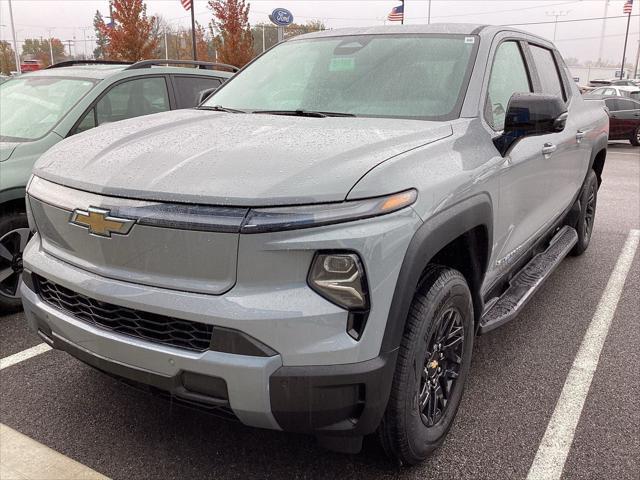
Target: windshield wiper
304, 113
220, 108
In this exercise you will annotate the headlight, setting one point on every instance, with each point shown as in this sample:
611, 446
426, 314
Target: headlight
340, 278
261, 220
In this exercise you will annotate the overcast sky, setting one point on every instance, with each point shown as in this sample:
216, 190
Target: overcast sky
67, 18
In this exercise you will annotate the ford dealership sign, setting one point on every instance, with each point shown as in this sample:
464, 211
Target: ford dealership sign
281, 17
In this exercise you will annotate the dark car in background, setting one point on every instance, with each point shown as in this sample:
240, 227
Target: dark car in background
624, 117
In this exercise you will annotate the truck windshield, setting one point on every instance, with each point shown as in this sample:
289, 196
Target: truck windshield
407, 76
32, 106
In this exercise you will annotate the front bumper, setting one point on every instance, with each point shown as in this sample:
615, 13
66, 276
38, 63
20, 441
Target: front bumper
335, 400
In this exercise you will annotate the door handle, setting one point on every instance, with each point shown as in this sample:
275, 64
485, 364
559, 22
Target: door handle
580, 135
549, 148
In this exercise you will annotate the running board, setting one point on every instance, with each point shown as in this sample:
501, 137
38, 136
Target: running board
528, 280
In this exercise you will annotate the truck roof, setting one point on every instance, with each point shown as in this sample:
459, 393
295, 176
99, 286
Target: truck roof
435, 28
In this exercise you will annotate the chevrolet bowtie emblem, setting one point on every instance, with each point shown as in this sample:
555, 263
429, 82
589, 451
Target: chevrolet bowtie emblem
98, 222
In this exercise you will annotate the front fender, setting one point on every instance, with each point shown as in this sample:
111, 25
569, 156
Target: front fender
429, 239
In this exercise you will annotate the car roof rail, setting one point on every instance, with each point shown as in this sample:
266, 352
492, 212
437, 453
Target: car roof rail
197, 63
71, 63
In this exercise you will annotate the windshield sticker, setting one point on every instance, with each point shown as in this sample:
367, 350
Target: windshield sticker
342, 64
469, 39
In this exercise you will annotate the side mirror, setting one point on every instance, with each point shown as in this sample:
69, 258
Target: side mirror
204, 94
530, 114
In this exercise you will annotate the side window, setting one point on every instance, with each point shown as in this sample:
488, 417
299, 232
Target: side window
141, 96
508, 76
611, 104
609, 91
547, 71
87, 123
597, 91
188, 89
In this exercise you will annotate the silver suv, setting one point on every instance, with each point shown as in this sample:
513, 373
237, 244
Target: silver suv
314, 248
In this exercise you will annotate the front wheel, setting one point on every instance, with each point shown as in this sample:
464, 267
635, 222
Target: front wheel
433, 364
14, 235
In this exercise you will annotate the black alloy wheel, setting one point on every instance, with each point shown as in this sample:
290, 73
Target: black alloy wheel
433, 363
588, 203
442, 365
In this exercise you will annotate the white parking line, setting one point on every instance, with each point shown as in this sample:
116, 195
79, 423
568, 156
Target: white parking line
554, 447
23, 355
25, 459
635, 154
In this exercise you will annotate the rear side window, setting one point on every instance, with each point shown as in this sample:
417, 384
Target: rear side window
624, 104
547, 71
508, 76
188, 89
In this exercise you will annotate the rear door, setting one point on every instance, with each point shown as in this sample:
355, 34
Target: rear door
625, 117
188, 88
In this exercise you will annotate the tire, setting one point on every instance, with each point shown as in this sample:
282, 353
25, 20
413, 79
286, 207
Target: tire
14, 233
588, 203
407, 433
635, 137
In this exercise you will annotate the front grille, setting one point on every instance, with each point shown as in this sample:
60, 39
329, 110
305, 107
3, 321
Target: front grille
148, 326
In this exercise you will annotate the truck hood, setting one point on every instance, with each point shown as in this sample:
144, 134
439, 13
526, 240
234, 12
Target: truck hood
207, 157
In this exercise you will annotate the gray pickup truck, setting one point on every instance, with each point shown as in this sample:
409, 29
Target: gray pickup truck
315, 247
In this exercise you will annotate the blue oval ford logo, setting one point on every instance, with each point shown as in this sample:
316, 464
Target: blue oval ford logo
281, 17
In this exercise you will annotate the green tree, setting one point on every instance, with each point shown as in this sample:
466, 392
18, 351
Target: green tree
38, 49
7, 58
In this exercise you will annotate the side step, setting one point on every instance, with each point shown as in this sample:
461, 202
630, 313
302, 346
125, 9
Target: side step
528, 280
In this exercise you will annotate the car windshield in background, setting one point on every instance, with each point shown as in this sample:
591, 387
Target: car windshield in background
32, 106
408, 76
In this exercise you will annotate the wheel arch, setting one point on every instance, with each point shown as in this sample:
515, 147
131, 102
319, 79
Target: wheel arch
598, 156
12, 199
459, 237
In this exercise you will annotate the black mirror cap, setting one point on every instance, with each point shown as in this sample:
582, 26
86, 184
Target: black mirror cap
204, 94
530, 114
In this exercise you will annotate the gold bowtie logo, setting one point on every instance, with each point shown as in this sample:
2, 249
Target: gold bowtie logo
98, 222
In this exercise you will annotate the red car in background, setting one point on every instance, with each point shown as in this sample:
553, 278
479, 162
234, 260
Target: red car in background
30, 66
624, 118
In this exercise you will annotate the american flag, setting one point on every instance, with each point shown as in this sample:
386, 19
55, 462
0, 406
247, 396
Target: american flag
628, 6
396, 14
186, 4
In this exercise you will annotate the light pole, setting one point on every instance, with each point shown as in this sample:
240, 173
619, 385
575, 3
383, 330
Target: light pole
602, 32
556, 14
84, 42
51, 47
15, 41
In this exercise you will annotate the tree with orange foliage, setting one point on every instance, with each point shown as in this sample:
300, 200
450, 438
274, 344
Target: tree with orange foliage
131, 36
234, 43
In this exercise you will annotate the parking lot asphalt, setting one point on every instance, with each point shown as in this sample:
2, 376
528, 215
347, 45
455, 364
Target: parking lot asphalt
517, 375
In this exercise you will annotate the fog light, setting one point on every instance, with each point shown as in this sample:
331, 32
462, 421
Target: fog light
340, 278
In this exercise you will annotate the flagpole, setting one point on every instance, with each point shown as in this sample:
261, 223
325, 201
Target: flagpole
624, 51
402, 19
429, 13
193, 30
15, 42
